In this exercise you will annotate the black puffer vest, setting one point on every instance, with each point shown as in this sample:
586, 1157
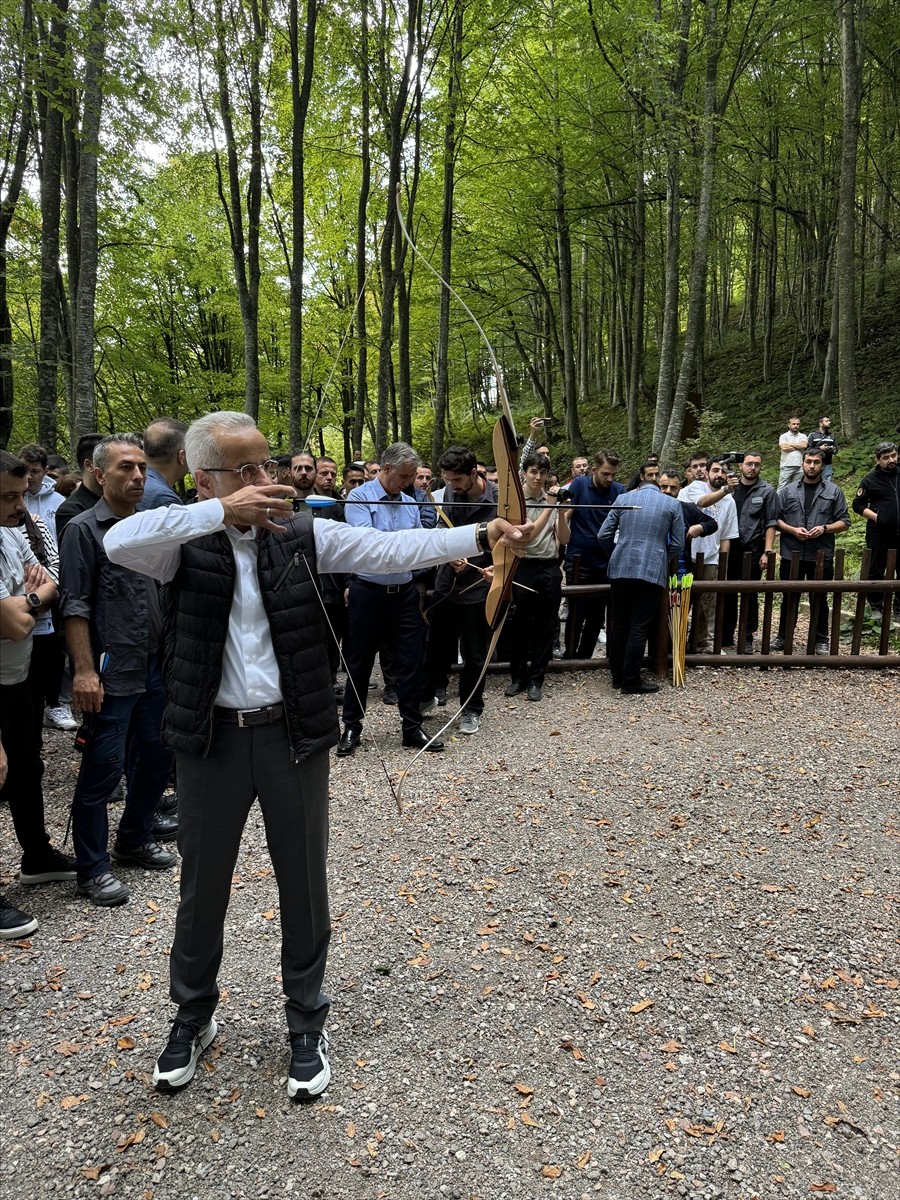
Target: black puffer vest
198, 604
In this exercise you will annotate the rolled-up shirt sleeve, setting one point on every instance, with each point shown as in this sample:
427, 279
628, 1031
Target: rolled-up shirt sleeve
78, 571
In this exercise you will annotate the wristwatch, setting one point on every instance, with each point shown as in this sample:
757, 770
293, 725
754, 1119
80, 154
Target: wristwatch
34, 600
481, 536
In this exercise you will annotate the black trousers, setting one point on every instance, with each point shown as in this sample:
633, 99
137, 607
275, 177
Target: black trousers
533, 623
586, 613
22, 789
734, 570
792, 603
374, 613
45, 675
635, 604
879, 544
448, 624
215, 796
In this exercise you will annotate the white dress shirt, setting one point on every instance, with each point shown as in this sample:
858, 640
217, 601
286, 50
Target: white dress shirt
150, 543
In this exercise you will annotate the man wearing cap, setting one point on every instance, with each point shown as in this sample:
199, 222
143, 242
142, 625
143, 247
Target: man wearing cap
878, 500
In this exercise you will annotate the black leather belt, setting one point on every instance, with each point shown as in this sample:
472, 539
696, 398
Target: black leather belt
390, 588
250, 716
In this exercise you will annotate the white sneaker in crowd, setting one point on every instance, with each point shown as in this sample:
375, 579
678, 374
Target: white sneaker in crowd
60, 717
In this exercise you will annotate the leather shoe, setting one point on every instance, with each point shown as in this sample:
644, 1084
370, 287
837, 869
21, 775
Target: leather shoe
534, 691
168, 805
348, 743
164, 828
417, 739
514, 688
643, 688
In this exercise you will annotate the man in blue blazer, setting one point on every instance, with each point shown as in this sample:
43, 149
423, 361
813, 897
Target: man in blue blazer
648, 536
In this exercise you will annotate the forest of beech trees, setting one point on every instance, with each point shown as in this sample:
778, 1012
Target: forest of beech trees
197, 209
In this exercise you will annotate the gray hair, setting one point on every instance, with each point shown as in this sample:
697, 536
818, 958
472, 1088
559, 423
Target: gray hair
200, 445
100, 456
400, 454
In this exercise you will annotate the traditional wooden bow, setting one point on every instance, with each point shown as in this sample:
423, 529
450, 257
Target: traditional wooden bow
510, 496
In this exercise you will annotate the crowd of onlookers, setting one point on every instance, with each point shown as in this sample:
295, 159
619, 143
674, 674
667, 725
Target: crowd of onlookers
80, 632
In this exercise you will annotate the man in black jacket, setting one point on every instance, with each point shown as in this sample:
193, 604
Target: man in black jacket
757, 504
251, 715
878, 500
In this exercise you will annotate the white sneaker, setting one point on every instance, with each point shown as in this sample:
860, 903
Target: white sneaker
823, 647
60, 717
310, 1072
601, 640
469, 722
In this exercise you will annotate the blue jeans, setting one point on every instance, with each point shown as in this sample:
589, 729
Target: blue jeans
125, 735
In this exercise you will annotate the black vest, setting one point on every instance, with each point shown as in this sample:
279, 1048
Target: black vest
198, 604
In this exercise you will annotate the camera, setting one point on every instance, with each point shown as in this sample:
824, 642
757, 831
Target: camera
733, 456
563, 495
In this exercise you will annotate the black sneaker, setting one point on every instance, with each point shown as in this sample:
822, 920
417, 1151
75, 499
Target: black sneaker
176, 1065
14, 923
309, 1073
51, 866
389, 696
103, 890
151, 856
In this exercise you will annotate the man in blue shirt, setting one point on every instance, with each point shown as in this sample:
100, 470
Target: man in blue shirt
166, 463
598, 487
385, 606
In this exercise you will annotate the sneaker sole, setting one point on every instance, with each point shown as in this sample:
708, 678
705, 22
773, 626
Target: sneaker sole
20, 931
173, 1081
312, 1087
47, 877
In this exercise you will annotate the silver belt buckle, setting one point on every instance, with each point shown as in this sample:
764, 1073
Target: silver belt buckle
246, 712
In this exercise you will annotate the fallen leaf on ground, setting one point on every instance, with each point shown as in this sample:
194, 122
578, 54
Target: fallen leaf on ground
641, 1005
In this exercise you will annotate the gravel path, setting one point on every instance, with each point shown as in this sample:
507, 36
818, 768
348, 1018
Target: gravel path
616, 946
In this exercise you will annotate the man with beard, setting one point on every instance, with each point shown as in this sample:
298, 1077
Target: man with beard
714, 492
26, 593
878, 500
810, 513
756, 502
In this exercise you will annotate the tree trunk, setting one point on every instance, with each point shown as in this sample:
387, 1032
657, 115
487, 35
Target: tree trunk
85, 297
638, 267
362, 270
243, 237
671, 122
391, 258
845, 259
442, 374
301, 83
50, 104
564, 260
18, 134
693, 343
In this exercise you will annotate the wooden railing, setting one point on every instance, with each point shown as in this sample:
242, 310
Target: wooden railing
769, 587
